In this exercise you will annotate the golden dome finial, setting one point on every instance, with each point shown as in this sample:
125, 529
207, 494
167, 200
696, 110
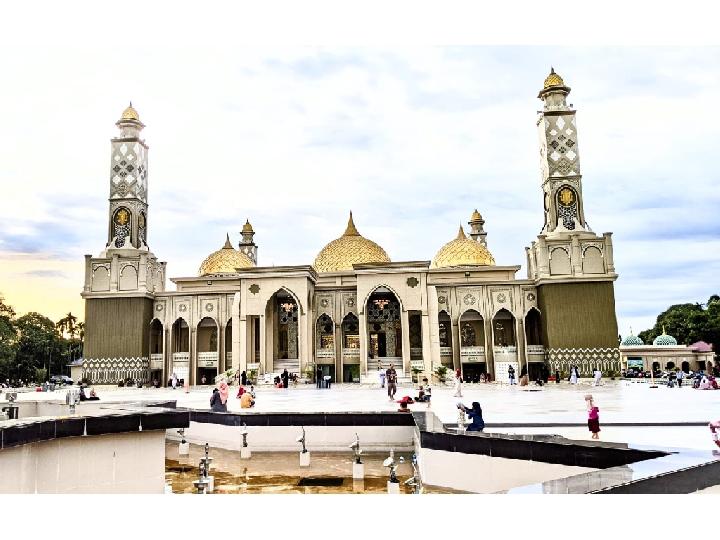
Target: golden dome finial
351, 248
130, 114
553, 79
351, 230
462, 251
247, 228
476, 216
225, 260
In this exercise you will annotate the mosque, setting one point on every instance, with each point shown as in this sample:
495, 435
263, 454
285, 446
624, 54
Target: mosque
353, 309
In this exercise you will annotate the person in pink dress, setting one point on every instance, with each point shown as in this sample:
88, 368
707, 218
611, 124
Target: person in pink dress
593, 417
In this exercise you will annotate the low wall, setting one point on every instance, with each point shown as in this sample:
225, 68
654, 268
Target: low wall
485, 474
114, 463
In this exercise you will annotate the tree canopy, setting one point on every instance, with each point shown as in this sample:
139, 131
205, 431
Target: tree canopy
688, 323
32, 343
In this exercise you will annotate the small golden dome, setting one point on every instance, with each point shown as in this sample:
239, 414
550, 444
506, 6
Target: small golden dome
553, 80
225, 261
476, 216
351, 248
130, 114
462, 251
247, 228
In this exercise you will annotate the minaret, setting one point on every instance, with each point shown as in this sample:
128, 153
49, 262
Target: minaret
127, 218
477, 232
247, 244
560, 160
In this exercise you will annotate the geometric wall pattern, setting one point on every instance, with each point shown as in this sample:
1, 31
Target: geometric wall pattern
114, 370
607, 359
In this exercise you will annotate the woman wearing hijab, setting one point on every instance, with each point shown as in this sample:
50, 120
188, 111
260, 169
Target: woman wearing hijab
218, 401
475, 415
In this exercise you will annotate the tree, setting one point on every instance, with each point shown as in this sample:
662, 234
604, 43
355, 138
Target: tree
688, 323
39, 344
8, 339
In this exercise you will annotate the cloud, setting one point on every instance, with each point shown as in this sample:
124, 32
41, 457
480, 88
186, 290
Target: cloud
46, 274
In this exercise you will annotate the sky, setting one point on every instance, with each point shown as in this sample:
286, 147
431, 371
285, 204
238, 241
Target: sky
411, 136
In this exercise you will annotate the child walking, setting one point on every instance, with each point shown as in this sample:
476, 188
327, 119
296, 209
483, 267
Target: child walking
593, 417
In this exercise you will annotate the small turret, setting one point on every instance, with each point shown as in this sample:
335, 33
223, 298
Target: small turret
477, 232
247, 244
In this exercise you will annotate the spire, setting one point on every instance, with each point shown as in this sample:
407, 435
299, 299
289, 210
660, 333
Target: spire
461, 233
351, 230
227, 245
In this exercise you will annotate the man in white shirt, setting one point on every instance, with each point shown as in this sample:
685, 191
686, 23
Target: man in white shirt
679, 376
598, 375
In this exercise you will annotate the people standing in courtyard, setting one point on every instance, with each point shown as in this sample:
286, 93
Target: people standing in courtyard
557, 376
285, 376
679, 377
381, 375
458, 384
203, 380
574, 375
173, 381
511, 374
391, 379
593, 417
243, 378
597, 374
318, 377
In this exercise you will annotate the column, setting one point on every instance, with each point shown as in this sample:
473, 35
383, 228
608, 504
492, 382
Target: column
521, 343
609, 262
142, 272
167, 355
263, 345
455, 342
431, 346
489, 344
405, 329
192, 344
114, 272
221, 349
362, 319
236, 346
337, 337
427, 348
575, 255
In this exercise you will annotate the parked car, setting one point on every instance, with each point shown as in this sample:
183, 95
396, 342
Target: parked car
61, 379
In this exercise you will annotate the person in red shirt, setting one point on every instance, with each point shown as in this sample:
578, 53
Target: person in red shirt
593, 417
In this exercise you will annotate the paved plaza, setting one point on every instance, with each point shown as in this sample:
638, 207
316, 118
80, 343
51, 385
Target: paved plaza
619, 402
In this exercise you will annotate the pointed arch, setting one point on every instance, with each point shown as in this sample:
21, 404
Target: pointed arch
374, 289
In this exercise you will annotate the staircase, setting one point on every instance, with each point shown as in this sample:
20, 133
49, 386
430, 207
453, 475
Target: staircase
372, 376
291, 364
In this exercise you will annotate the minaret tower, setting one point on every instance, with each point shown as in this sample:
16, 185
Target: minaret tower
560, 160
127, 218
247, 244
477, 232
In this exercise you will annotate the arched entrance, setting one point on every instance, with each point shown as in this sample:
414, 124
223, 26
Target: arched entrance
537, 368
157, 349
282, 316
472, 345
446, 339
207, 351
384, 337
180, 351
685, 367
325, 346
350, 348
505, 345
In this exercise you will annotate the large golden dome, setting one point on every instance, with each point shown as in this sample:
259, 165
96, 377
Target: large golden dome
224, 261
553, 80
351, 248
462, 251
130, 114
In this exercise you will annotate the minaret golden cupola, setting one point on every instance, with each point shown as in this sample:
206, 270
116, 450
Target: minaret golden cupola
351, 248
462, 251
